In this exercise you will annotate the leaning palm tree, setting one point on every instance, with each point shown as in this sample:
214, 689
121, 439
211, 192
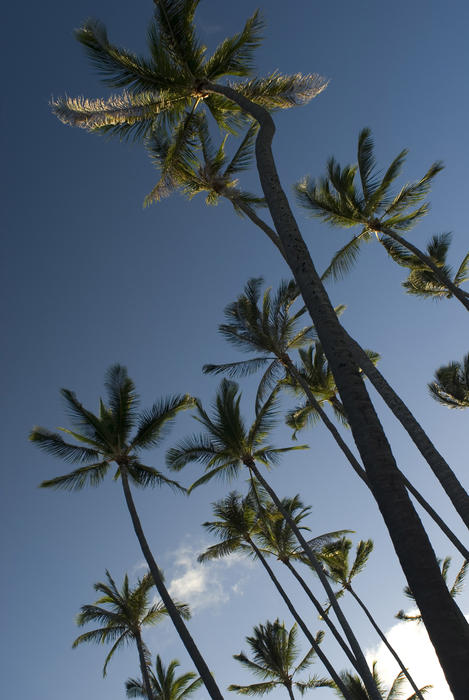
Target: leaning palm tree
121, 619
451, 384
455, 590
226, 446
336, 560
165, 685
274, 654
358, 692
106, 438
335, 199
169, 86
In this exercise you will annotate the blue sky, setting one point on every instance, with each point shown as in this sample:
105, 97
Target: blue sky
91, 278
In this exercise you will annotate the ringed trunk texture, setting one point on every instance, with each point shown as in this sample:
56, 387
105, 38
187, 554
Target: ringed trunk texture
181, 628
446, 626
144, 667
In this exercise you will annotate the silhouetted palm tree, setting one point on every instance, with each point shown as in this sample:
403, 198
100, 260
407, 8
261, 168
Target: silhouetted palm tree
358, 692
451, 384
275, 651
106, 438
165, 685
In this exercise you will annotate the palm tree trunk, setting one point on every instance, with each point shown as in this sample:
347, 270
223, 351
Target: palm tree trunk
290, 692
144, 667
181, 628
356, 649
438, 465
322, 613
382, 636
441, 277
333, 673
446, 626
355, 464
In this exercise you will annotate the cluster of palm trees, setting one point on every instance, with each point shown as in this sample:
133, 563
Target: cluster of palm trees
167, 100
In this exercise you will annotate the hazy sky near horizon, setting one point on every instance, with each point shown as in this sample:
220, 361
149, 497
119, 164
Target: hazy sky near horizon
91, 278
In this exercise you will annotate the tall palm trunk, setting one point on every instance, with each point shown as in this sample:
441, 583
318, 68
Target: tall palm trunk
460, 294
446, 626
290, 692
355, 464
181, 628
437, 463
143, 666
333, 673
322, 612
356, 649
382, 636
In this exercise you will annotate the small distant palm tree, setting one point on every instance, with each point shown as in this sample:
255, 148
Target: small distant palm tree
358, 692
336, 199
451, 384
165, 685
455, 589
106, 438
336, 558
274, 652
121, 619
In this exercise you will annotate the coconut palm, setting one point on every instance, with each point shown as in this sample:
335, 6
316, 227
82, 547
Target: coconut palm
451, 384
455, 589
172, 84
225, 446
267, 326
274, 653
335, 199
121, 619
106, 438
358, 692
336, 559
165, 685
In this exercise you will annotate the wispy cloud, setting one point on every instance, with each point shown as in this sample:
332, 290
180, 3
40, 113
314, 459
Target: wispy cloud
411, 642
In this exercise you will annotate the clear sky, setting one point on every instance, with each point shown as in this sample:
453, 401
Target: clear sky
90, 278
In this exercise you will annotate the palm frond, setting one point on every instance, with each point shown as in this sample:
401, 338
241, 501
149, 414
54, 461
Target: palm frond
55, 445
234, 56
366, 162
278, 91
243, 368
344, 259
91, 475
144, 476
155, 423
123, 399
462, 275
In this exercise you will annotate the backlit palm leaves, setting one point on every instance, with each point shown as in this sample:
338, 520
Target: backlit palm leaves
357, 690
451, 384
165, 684
274, 654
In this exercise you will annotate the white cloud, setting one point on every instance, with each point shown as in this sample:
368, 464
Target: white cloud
209, 584
411, 642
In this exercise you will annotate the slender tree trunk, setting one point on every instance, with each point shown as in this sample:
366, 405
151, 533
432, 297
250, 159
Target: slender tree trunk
364, 671
181, 628
144, 667
441, 277
355, 464
446, 625
333, 673
382, 636
290, 692
438, 465
323, 613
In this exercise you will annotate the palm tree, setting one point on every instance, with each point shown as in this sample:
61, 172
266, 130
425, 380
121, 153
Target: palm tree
358, 692
455, 589
165, 685
169, 86
335, 199
268, 327
106, 438
126, 611
226, 446
336, 559
275, 651
451, 384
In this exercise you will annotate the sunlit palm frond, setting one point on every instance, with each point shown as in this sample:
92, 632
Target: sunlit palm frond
234, 56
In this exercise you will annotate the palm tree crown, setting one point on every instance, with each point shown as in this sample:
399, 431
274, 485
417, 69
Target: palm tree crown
165, 684
106, 437
451, 384
124, 614
357, 690
274, 653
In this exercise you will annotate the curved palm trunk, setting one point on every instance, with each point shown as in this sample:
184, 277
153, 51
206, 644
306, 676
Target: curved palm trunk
355, 464
438, 465
441, 277
290, 692
446, 626
322, 613
333, 673
364, 671
382, 636
181, 628
144, 667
